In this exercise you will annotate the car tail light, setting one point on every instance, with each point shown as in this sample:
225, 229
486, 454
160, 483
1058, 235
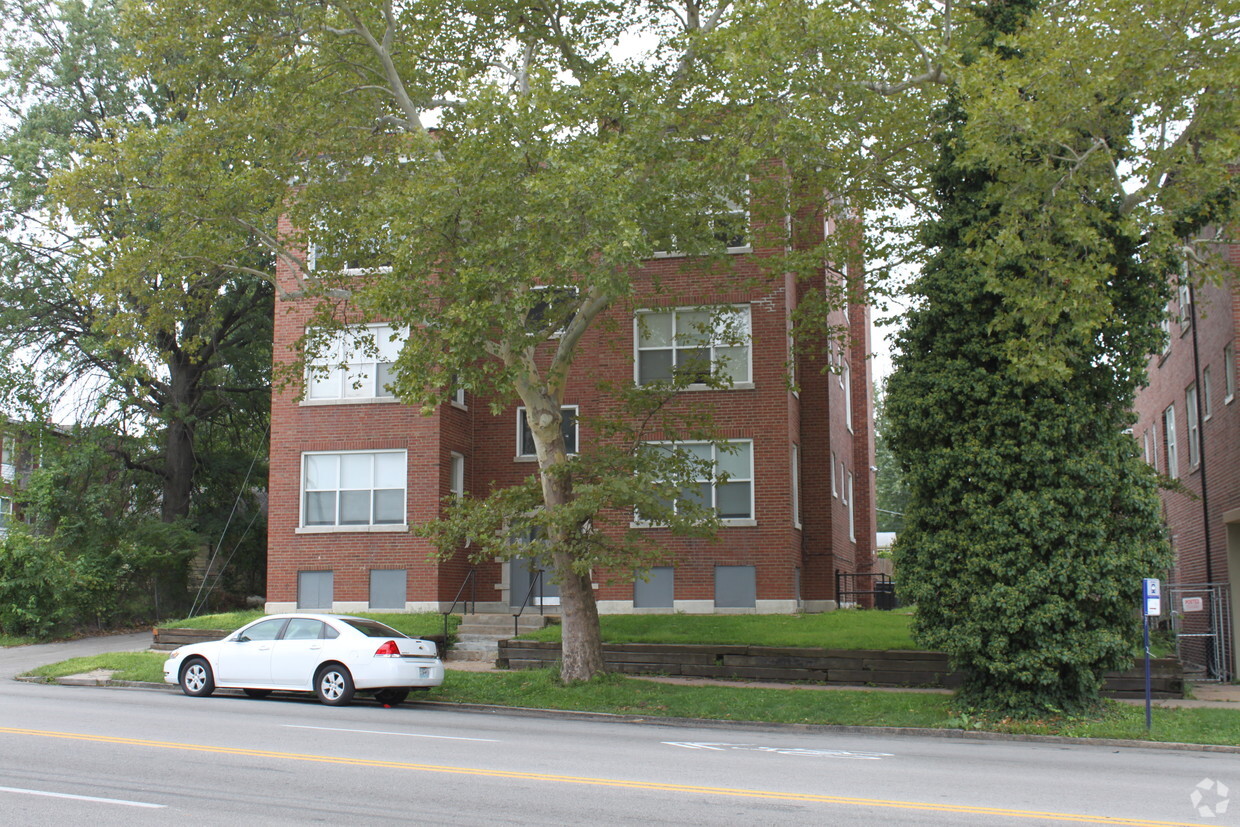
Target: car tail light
388, 650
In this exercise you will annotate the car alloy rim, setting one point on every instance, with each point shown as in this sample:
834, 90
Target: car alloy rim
194, 677
333, 685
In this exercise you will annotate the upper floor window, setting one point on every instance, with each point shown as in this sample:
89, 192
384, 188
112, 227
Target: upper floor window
846, 383
525, 437
693, 343
1165, 325
355, 364
457, 481
362, 260
1229, 373
6, 513
796, 486
1194, 436
1173, 456
1207, 407
353, 488
8, 459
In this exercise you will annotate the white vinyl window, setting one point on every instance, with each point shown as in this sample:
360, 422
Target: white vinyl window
457, 482
1154, 445
355, 365
1186, 305
796, 486
353, 488
1207, 407
8, 459
1165, 325
846, 381
835, 488
1194, 436
1229, 374
852, 523
6, 514
525, 437
698, 342
732, 500
1173, 460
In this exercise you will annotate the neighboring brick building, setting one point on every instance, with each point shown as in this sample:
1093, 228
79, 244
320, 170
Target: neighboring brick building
352, 469
1188, 378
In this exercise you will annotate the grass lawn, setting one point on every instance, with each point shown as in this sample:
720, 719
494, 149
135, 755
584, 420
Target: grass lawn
632, 696
415, 624
844, 629
15, 640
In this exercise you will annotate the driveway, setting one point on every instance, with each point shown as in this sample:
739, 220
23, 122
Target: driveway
15, 660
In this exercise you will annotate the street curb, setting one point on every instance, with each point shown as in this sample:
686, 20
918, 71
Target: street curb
715, 723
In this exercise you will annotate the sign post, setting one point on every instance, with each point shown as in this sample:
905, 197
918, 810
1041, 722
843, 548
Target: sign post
1151, 594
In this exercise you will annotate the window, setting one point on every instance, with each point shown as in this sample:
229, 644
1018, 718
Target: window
1146, 449
1173, 464
732, 500
525, 437
553, 306
1194, 436
267, 630
458, 396
1229, 373
697, 343
1154, 445
6, 513
1185, 296
736, 587
304, 628
796, 486
387, 588
852, 523
355, 365
1207, 407
366, 258
353, 489
457, 482
8, 459
835, 489
314, 589
846, 381
1165, 324
657, 591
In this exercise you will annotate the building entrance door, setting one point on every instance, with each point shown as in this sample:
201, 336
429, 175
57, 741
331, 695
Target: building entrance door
532, 585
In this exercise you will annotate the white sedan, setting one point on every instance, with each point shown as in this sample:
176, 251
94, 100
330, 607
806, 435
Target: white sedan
331, 655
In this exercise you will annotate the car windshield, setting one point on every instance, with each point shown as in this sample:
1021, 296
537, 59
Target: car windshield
372, 628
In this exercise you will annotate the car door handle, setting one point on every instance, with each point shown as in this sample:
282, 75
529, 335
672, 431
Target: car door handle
316, 646
264, 648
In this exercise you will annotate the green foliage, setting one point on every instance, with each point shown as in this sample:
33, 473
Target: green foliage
1031, 520
890, 491
93, 551
414, 624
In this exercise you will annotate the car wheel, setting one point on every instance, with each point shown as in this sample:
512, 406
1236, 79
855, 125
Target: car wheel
196, 678
391, 697
257, 693
334, 685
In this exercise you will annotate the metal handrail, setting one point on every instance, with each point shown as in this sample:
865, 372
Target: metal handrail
536, 580
470, 580
883, 580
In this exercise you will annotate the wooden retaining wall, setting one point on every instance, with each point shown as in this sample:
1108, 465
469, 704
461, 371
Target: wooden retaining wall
843, 667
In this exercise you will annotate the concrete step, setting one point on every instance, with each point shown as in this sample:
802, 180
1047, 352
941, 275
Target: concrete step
500, 624
472, 656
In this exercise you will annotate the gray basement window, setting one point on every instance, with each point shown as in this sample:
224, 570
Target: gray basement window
736, 587
387, 588
657, 592
314, 589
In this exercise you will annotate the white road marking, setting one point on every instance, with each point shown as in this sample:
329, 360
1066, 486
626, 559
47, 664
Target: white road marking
381, 732
821, 753
120, 801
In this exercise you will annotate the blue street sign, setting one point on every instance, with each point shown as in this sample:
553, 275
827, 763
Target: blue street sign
1151, 591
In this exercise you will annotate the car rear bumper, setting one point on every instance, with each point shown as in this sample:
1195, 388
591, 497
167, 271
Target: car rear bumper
383, 672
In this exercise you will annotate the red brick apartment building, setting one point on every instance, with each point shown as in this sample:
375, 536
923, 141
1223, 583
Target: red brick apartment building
1189, 429
352, 469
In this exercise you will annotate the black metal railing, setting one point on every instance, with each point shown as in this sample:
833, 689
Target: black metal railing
471, 580
536, 581
876, 584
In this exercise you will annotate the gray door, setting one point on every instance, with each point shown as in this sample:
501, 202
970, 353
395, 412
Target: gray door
523, 569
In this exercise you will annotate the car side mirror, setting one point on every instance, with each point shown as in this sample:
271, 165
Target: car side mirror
242, 639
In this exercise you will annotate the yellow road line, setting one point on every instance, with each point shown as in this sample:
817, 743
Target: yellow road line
602, 782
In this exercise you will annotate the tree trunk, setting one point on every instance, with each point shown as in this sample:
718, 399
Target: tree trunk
582, 643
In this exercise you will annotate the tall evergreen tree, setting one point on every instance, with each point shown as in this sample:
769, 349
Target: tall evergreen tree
1031, 519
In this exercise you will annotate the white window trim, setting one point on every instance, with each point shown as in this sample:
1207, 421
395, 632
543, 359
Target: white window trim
456, 474
796, 485
1190, 416
748, 384
1207, 409
375, 331
1154, 444
576, 409
835, 488
312, 255
1173, 454
734, 522
1165, 325
372, 527
846, 383
1229, 373
744, 248
852, 523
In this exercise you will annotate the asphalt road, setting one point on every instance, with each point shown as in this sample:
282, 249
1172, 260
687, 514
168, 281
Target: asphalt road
126, 756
